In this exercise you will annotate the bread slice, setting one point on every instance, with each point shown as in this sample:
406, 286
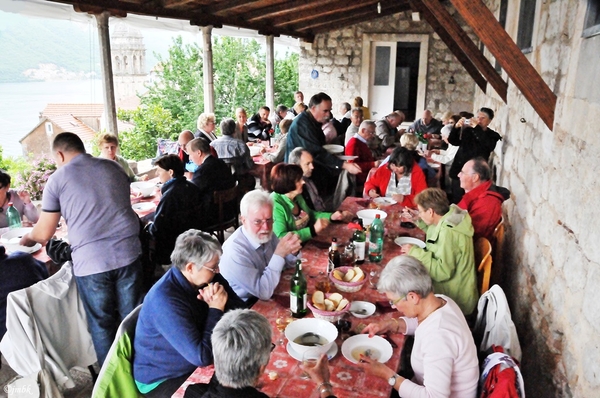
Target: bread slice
335, 298
320, 306
329, 306
342, 305
358, 275
349, 275
337, 274
318, 297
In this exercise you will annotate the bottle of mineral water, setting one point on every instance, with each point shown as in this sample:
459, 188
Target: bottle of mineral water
13, 217
376, 240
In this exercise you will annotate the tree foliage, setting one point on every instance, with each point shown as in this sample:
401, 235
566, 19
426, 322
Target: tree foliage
286, 79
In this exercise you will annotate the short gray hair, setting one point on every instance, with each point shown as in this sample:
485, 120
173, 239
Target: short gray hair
253, 200
241, 343
404, 274
194, 246
366, 124
295, 155
228, 126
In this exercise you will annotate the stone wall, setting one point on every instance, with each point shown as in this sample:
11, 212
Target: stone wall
553, 257
337, 56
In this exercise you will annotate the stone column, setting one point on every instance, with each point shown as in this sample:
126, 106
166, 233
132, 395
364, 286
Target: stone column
110, 109
209, 88
270, 78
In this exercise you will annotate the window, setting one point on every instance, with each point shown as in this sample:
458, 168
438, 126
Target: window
592, 19
502, 22
526, 20
382, 66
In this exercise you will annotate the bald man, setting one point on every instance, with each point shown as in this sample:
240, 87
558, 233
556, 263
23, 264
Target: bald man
184, 137
426, 124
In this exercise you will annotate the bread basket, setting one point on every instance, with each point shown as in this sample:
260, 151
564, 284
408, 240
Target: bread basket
331, 316
347, 287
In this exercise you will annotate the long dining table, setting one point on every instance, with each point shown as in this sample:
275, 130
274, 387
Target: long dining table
348, 379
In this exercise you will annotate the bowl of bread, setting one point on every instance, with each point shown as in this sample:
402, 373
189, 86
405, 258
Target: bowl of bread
329, 307
348, 279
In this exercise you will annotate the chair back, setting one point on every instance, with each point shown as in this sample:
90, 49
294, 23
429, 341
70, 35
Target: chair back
483, 257
497, 251
116, 376
222, 199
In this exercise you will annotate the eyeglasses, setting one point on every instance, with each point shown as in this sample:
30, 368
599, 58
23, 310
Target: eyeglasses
259, 223
213, 270
394, 302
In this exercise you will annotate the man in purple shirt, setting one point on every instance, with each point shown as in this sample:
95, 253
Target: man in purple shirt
92, 195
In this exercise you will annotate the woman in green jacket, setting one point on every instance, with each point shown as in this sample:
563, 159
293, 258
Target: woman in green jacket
290, 211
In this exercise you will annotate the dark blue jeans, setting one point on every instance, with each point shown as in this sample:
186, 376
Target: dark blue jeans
107, 298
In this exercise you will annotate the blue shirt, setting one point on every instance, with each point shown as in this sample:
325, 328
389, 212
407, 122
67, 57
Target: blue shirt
251, 268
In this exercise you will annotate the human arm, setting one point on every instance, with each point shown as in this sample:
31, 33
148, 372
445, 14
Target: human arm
447, 156
320, 375
307, 133
43, 230
378, 182
23, 203
283, 220
440, 257
365, 158
418, 183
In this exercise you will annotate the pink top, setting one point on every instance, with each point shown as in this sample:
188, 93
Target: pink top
444, 357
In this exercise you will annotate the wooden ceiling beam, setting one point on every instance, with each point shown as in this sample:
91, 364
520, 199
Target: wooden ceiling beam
228, 6
341, 7
320, 25
282, 9
175, 3
450, 42
465, 43
510, 57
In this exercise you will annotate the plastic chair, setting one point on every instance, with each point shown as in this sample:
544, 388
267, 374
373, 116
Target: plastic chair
222, 199
116, 376
483, 257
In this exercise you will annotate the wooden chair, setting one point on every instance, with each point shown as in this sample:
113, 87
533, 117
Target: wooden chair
483, 257
498, 253
221, 199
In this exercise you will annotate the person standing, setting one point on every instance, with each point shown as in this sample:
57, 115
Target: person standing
92, 194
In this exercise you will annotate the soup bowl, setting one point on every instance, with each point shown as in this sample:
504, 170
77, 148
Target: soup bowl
311, 330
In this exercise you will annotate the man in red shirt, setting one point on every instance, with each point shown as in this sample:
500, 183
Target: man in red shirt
359, 146
483, 199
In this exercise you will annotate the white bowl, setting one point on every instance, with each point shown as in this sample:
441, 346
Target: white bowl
310, 325
145, 188
255, 150
402, 240
334, 149
380, 348
362, 309
14, 236
369, 215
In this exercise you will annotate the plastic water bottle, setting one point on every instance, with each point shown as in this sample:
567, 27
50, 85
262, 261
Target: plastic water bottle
376, 240
13, 217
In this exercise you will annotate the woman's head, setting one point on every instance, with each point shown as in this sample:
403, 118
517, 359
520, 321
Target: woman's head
401, 161
241, 116
241, 343
206, 122
169, 166
404, 274
4, 180
433, 198
409, 141
358, 102
108, 144
197, 254
285, 178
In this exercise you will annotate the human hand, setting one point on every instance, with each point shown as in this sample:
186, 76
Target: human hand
351, 168
214, 295
337, 216
27, 241
289, 244
382, 327
144, 177
398, 198
24, 195
373, 193
406, 248
375, 368
321, 224
320, 372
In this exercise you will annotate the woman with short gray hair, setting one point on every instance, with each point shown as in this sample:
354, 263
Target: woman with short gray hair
444, 356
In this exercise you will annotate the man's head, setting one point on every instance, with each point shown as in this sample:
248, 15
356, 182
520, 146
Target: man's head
65, 147
108, 143
299, 97
474, 173
394, 120
228, 126
304, 159
320, 107
169, 166
184, 137
484, 117
356, 116
196, 255
367, 129
256, 209
284, 125
345, 107
264, 113
282, 111
241, 343
427, 117
198, 149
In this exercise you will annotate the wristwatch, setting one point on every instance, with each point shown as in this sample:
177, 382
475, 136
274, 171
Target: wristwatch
392, 380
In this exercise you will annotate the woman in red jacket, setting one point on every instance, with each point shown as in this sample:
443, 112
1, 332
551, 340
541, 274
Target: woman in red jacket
400, 179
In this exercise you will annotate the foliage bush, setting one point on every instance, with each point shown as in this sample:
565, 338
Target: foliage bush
33, 179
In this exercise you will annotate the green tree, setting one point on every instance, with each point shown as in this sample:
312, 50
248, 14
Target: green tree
286, 79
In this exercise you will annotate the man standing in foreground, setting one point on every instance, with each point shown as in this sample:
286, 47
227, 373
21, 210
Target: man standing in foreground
92, 195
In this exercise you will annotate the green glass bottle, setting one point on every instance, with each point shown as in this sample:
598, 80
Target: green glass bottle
298, 292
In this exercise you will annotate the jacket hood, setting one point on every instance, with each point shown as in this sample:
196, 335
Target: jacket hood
457, 219
501, 192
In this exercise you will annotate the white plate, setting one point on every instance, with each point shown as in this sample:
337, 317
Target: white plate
13, 236
143, 206
254, 150
369, 309
381, 349
347, 157
330, 354
383, 201
434, 165
401, 240
334, 149
11, 248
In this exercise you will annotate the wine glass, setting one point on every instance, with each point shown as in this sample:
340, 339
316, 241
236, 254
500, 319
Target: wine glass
310, 358
374, 279
284, 318
343, 326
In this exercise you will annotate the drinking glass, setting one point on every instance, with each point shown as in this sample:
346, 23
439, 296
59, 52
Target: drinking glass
284, 318
373, 279
309, 360
323, 283
343, 326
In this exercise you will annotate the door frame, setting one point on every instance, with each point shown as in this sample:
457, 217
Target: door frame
369, 38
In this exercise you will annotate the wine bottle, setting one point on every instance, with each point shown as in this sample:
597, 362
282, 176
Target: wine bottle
376, 240
298, 292
359, 238
334, 255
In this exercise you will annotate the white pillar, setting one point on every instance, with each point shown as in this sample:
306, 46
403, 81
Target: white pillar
107, 74
270, 78
209, 89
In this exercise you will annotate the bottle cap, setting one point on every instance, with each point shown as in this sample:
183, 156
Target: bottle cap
377, 215
10, 204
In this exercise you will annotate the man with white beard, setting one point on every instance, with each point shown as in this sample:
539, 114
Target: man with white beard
253, 257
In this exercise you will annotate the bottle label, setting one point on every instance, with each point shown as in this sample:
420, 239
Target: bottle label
298, 304
359, 250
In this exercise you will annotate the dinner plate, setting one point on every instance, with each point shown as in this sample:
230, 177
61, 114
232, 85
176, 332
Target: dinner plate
380, 349
335, 149
14, 236
11, 248
383, 201
347, 157
255, 150
143, 206
294, 354
434, 165
402, 240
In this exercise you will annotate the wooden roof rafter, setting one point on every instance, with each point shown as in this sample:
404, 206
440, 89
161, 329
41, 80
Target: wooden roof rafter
284, 8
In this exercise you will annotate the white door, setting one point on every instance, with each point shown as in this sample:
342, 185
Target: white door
382, 78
